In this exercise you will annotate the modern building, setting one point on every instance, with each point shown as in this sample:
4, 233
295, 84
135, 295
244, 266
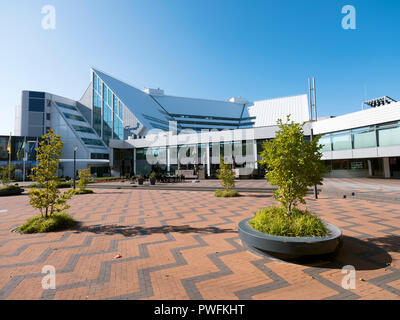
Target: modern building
22, 155
120, 129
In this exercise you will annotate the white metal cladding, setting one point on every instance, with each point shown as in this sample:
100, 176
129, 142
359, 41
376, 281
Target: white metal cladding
377, 152
386, 113
267, 112
201, 107
191, 137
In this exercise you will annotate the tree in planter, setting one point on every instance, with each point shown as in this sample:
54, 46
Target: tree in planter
227, 179
7, 173
153, 178
293, 164
46, 197
84, 179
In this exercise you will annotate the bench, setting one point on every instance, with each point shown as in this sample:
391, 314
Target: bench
188, 174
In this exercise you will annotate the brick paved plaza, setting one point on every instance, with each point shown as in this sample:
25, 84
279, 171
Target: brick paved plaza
184, 245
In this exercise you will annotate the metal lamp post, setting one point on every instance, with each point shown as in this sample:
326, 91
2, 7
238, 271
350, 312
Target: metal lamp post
315, 186
75, 149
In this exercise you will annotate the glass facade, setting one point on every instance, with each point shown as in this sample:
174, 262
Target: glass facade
18, 154
341, 141
97, 105
389, 135
107, 112
155, 159
118, 129
383, 135
107, 123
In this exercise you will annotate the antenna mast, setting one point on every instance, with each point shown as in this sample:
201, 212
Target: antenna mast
313, 99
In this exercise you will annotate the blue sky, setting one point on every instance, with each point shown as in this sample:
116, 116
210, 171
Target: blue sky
208, 49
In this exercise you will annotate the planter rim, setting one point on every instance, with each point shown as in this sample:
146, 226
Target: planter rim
291, 246
333, 232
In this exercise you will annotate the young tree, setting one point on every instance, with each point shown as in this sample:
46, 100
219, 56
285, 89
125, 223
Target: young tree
84, 178
226, 175
7, 173
47, 197
293, 164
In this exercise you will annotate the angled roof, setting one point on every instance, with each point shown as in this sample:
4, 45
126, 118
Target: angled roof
201, 107
139, 103
156, 110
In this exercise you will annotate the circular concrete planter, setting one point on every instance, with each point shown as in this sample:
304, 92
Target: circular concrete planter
291, 246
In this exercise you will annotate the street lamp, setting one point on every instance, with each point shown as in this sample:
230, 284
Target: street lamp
75, 149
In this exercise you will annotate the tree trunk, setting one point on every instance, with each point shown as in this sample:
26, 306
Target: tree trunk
289, 209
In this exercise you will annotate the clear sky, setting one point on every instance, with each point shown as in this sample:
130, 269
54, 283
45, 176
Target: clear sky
203, 48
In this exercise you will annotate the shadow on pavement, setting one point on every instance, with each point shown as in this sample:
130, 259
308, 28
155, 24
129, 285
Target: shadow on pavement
367, 254
129, 231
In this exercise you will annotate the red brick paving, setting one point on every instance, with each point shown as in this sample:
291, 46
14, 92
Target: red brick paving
184, 245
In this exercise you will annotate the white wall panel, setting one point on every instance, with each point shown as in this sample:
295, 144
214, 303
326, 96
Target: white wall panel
267, 112
387, 113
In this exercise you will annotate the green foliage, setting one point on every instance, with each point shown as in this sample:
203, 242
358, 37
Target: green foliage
10, 187
274, 221
64, 184
46, 197
83, 191
153, 175
226, 193
60, 185
55, 222
293, 164
84, 178
7, 173
226, 175
104, 179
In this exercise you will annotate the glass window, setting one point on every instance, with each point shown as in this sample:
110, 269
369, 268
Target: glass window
99, 156
389, 137
326, 143
105, 93
156, 155
141, 154
93, 142
358, 164
83, 129
73, 117
36, 105
107, 124
109, 97
118, 129
97, 113
65, 106
99, 86
95, 82
120, 109
364, 138
47, 116
35, 94
115, 104
341, 141
340, 164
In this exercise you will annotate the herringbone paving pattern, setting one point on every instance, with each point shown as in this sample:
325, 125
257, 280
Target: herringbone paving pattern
184, 245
